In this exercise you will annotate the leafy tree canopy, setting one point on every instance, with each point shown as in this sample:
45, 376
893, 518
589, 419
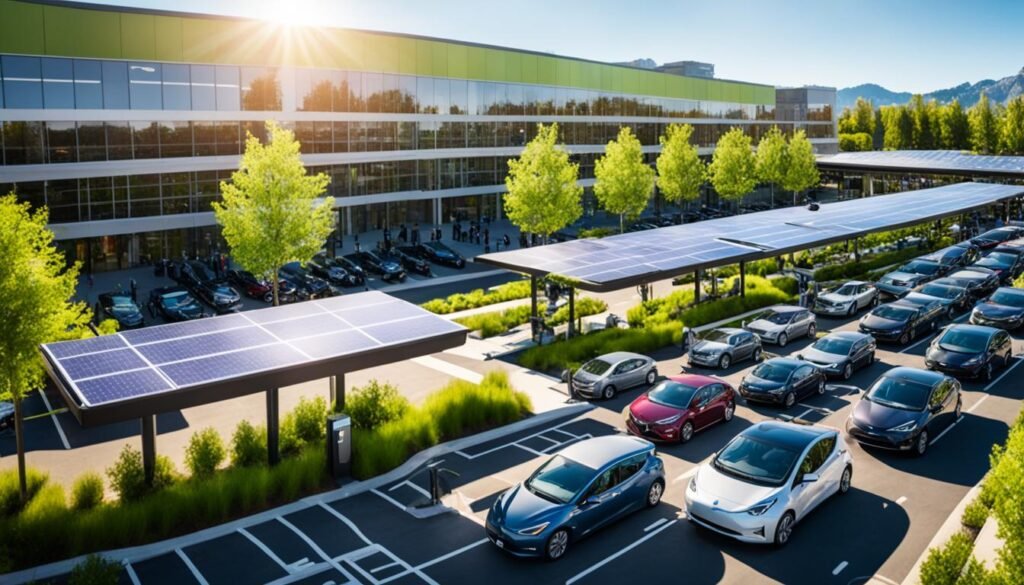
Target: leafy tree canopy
543, 194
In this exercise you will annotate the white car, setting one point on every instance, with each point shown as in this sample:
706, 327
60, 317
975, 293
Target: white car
847, 299
768, 478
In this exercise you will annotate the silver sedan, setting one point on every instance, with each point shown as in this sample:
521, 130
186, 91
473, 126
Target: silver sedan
604, 376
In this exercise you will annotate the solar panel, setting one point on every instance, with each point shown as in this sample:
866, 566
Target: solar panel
929, 161
617, 261
156, 360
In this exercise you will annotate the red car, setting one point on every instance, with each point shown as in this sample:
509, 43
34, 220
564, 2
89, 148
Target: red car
680, 406
249, 284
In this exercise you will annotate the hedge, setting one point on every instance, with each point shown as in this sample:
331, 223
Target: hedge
597, 232
761, 292
855, 269
857, 141
457, 410
479, 298
498, 322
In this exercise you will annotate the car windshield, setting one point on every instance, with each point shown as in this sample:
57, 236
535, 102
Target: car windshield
996, 235
596, 367
847, 290
833, 345
773, 372
1008, 298
775, 317
756, 461
674, 394
899, 393
893, 313
122, 302
998, 259
177, 299
940, 291
963, 340
559, 480
717, 335
920, 268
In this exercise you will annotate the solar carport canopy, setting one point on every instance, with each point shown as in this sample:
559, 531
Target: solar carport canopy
158, 369
619, 261
927, 162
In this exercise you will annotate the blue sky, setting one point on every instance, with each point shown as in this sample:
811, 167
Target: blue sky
905, 45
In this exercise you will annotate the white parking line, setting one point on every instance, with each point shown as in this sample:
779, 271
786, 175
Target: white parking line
131, 574
977, 404
387, 566
526, 438
900, 500
56, 423
389, 499
839, 568
266, 549
1000, 377
316, 548
445, 557
656, 524
188, 563
946, 430
621, 552
417, 488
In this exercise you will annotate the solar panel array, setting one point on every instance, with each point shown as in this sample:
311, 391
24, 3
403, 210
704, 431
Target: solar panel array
927, 161
677, 249
153, 360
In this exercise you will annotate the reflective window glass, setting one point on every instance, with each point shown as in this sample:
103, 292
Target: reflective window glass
23, 143
228, 89
260, 89
407, 100
23, 87
425, 95
115, 85
204, 91
145, 139
177, 91
175, 139
88, 85
92, 143
61, 142
442, 96
119, 140
100, 197
62, 199
227, 138
58, 84
145, 86
373, 90
352, 98
205, 139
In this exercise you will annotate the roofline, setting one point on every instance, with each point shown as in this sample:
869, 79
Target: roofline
182, 14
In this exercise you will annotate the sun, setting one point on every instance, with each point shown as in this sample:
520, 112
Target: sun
291, 12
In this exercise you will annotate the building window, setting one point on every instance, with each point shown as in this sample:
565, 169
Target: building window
115, 85
146, 86
204, 87
228, 89
61, 142
23, 87
88, 85
58, 84
177, 94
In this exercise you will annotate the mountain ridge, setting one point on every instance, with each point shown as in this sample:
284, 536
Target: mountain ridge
998, 90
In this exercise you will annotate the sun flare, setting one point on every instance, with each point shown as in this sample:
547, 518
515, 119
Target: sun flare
291, 12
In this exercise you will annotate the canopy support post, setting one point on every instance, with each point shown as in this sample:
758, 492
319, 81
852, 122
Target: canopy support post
273, 451
149, 448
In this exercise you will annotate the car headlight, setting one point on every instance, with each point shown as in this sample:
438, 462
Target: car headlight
973, 361
778, 390
905, 427
669, 420
534, 530
761, 507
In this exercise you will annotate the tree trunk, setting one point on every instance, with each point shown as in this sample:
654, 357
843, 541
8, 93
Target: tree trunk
772, 187
622, 229
277, 301
19, 438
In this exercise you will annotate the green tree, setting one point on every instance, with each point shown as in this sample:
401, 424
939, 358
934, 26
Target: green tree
1011, 127
984, 127
802, 170
270, 214
624, 182
772, 159
923, 132
681, 172
955, 130
543, 196
36, 286
847, 123
733, 169
864, 116
899, 127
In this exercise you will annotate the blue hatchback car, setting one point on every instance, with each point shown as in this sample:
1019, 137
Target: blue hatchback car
581, 489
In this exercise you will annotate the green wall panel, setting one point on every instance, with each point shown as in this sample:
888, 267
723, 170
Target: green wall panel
513, 67
406, 56
495, 65
424, 58
440, 59
547, 70
138, 35
381, 53
477, 63
458, 61
22, 28
61, 31
167, 30
99, 34
529, 68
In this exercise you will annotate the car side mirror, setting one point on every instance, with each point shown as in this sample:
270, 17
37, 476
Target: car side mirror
799, 356
590, 501
809, 478
936, 408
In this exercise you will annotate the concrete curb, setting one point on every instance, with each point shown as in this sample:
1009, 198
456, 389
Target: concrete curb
950, 527
145, 551
440, 280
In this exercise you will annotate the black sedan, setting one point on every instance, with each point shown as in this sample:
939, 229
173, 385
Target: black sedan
972, 351
174, 303
954, 256
120, 306
388, 270
930, 269
782, 381
307, 286
896, 284
1003, 308
901, 322
215, 291
904, 409
408, 261
1006, 266
954, 297
334, 271
994, 237
440, 254
978, 280
841, 352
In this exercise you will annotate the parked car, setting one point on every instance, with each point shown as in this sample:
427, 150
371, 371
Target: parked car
973, 351
6, 415
583, 488
680, 406
901, 322
306, 285
955, 256
928, 268
388, 270
333, 271
1006, 266
768, 478
353, 268
252, 287
979, 281
782, 381
781, 323
1015, 247
440, 254
215, 291
174, 303
894, 285
904, 409
847, 299
604, 376
1004, 309
916, 298
121, 307
954, 298
724, 346
994, 237
407, 261
840, 353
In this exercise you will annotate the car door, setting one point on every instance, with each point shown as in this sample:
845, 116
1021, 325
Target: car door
620, 374
859, 353
712, 405
630, 484
938, 404
803, 494
1004, 346
803, 380
743, 346
831, 469
638, 372
598, 506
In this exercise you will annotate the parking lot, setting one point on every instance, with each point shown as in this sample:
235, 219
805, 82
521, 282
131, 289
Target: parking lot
877, 530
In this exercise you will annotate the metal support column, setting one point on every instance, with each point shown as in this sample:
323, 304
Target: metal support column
149, 447
533, 309
337, 383
743, 279
273, 453
572, 312
696, 287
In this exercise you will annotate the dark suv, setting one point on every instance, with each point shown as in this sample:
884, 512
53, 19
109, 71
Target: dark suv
306, 285
217, 293
333, 271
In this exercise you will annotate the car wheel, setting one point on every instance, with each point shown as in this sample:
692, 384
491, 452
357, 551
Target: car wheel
652, 376
847, 371
784, 529
951, 313
852, 311
557, 544
821, 386
789, 400
724, 362
987, 374
956, 411
904, 339
812, 330
921, 444
686, 432
933, 327
1007, 359
872, 358
730, 411
783, 340
874, 301
844, 481
608, 392
654, 493
757, 355
268, 298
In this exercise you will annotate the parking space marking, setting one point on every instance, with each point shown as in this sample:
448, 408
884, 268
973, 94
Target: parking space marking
977, 404
316, 548
692, 471
266, 550
819, 409
389, 499
656, 524
621, 552
128, 568
839, 568
900, 500
56, 423
387, 566
439, 559
531, 450
946, 430
449, 368
1016, 362
191, 567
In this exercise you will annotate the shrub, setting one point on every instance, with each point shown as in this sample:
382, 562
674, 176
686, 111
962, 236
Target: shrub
248, 445
95, 570
10, 492
310, 419
857, 269
584, 307
573, 352
128, 478
975, 514
855, 141
478, 298
944, 564
597, 232
496, 322
204, 453
375, 404
87, 491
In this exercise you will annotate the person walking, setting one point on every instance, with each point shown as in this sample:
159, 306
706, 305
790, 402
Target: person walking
134, 286
487, 238
415, 234
687, 340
